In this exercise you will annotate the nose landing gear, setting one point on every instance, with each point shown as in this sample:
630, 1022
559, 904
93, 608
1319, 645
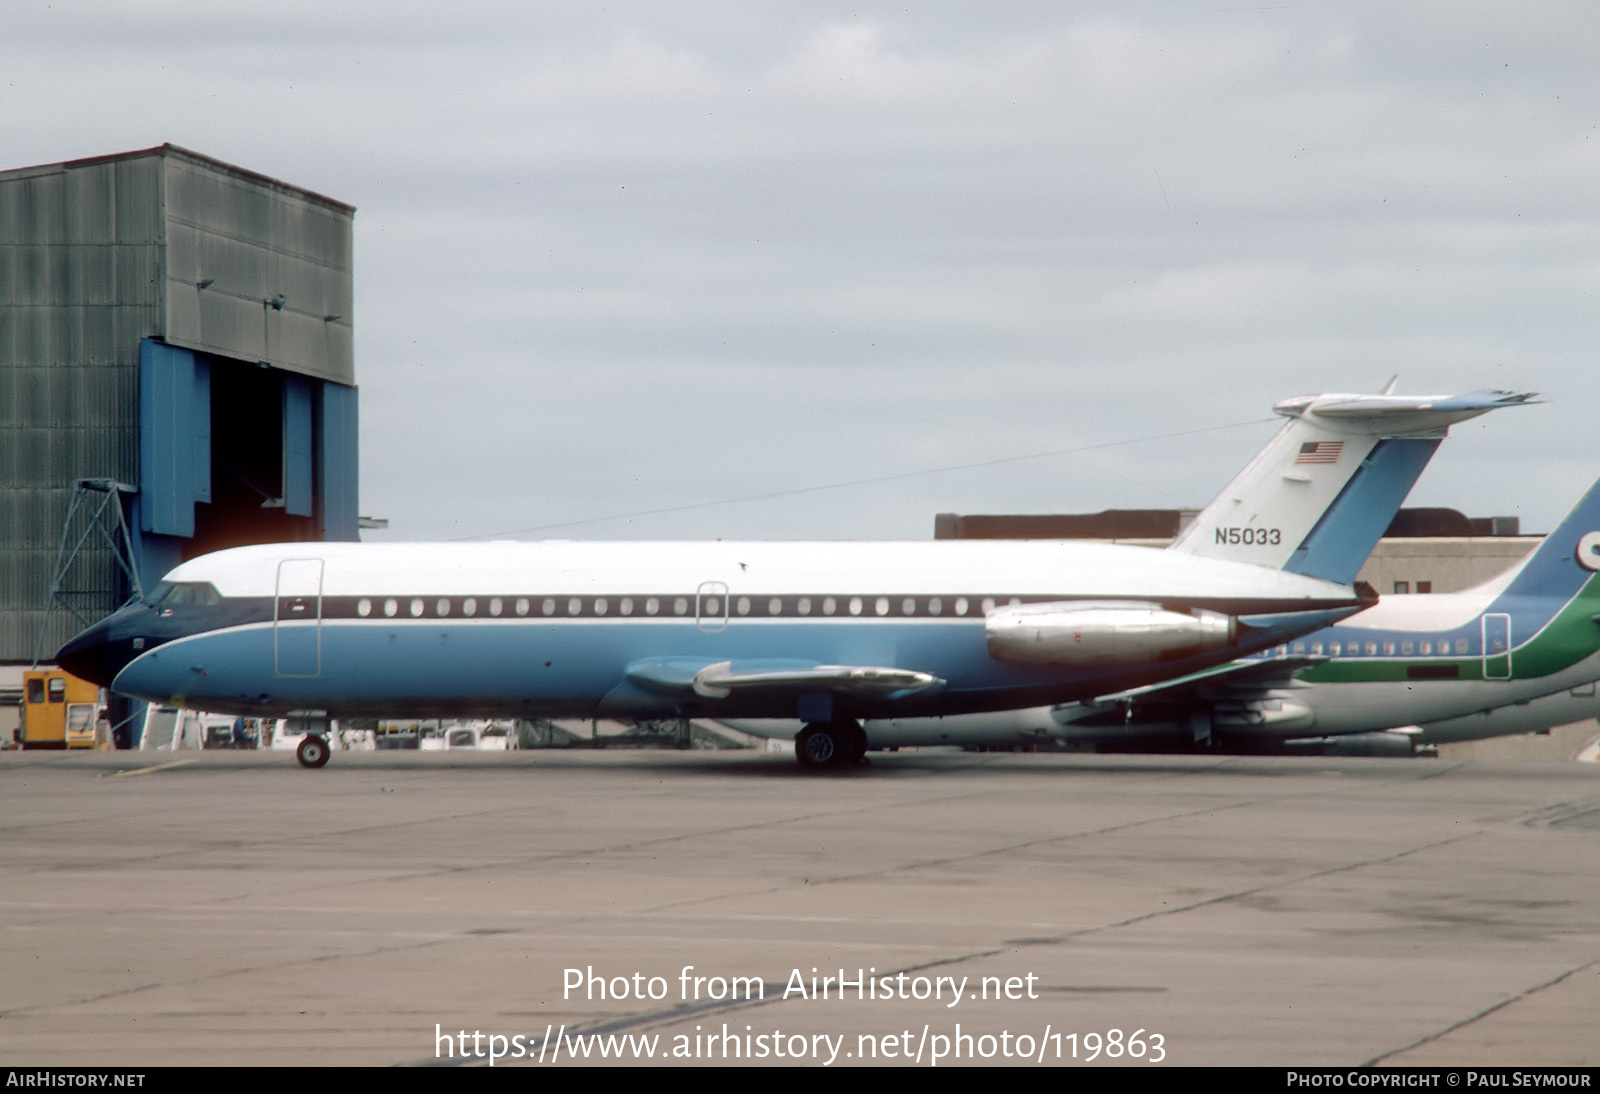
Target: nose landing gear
313, 751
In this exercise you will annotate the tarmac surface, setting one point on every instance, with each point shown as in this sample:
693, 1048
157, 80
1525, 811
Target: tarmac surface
233, 908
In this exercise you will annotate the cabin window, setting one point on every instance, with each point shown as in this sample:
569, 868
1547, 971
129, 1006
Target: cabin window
522, 605
574, 606
881, 606
1299, 647
828, 605
444, 607
1316, 649
494, 606
1333, 649
1461, 645
548, 607
625, 605
744, 605
416, 606
680, 606
804, 607
988, 604
652, 606
774, 606
1388, 649
961, 605
363, 607
391, 607
600, 606
1426, 649
934, 605
1372, 649
469, 606
855, 605
1406, 649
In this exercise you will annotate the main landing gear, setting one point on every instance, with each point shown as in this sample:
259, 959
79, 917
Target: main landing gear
830, 744
313, 751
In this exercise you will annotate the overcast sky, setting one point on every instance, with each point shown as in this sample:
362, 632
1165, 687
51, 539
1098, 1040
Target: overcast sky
623, 260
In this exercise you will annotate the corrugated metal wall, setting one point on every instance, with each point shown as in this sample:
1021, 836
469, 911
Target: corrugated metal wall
79, 286
253, 243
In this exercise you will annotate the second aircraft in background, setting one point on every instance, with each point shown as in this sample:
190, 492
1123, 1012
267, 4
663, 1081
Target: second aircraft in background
1516, 654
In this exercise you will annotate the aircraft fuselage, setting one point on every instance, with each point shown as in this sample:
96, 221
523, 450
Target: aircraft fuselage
622, 629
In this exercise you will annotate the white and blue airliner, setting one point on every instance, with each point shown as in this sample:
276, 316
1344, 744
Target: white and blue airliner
826, 633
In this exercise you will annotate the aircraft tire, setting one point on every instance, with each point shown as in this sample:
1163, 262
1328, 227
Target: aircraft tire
820, 746
857, 752
313, 751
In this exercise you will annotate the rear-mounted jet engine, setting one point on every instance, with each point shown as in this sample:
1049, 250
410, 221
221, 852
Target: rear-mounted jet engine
1105, 632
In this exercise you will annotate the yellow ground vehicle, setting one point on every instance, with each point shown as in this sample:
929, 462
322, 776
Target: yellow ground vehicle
60, 711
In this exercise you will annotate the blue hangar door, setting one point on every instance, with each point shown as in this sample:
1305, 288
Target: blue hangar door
297, 620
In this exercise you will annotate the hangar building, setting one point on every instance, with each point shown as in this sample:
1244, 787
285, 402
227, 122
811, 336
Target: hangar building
176, 376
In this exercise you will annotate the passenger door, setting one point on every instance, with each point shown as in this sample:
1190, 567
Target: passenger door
1496, 646
297, 618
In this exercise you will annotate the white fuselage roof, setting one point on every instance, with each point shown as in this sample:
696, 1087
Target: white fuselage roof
915, 568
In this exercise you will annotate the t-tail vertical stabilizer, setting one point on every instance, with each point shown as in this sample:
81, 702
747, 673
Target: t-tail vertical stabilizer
1316, 500
1565, 561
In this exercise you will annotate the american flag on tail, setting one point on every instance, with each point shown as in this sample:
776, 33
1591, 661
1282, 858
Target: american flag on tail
1320, 452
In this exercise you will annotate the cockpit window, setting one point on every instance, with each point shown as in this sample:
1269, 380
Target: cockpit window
183, 594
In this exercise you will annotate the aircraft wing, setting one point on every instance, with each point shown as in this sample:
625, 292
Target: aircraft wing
720, 679
1251, 696
1235, 676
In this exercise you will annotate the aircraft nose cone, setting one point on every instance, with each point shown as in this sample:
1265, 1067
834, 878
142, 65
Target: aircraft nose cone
88, 656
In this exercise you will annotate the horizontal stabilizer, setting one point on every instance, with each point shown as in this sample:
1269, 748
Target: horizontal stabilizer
1316, 500
1410, 415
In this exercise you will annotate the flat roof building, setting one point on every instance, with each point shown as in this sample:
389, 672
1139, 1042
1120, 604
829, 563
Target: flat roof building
1422, 551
